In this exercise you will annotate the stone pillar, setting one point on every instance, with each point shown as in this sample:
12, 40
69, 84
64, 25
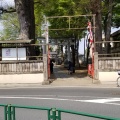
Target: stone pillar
96, 66
45, 70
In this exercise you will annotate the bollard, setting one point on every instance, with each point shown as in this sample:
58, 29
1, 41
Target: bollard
9, 112
13, 112
5, 113
54, 114
59, 115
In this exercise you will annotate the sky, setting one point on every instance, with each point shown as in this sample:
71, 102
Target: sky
7, 2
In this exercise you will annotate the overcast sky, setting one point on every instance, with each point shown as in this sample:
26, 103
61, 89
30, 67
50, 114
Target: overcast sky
6, 3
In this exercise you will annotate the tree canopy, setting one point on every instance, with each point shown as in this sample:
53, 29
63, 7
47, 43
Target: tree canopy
11, 27
60, 8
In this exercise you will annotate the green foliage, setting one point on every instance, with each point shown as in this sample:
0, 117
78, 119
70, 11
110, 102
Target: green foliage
11, 26
116, 14
65, 8
39, 11
60, 8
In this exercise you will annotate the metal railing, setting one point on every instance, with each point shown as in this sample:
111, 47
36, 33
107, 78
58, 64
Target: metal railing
52, 113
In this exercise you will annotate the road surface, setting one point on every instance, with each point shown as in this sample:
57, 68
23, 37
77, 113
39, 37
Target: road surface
103, 101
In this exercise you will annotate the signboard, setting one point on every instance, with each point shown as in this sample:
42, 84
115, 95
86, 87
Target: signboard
13, 53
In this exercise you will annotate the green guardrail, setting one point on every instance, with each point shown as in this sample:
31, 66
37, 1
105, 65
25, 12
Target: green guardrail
53, 113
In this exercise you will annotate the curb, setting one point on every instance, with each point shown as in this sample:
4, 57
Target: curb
12, 86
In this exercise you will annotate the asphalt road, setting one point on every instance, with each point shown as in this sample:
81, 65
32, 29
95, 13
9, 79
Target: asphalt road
103, 101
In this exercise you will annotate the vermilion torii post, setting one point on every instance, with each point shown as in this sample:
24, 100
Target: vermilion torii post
91, 54
90, 37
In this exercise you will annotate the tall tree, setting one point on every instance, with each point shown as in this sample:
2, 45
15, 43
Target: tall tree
95, 6
25, 11
108, 22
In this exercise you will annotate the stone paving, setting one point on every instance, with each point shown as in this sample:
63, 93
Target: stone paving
79, 78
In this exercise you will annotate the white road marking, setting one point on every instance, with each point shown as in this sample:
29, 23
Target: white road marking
34, 98
56, 96
38, 98
103, 101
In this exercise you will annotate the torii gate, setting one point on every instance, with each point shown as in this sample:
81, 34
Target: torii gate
70, 28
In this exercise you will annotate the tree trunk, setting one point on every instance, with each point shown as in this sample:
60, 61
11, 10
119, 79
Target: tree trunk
108, 24
62, 53
25, 11
96, 9
73, 55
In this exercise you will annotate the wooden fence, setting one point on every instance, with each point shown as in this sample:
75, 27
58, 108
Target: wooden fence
20, 67
109, 63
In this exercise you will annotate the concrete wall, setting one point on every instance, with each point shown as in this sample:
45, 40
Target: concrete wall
22, 78
105, 68
106, 77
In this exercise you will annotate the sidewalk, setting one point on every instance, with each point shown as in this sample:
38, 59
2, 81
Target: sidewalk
61, 78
